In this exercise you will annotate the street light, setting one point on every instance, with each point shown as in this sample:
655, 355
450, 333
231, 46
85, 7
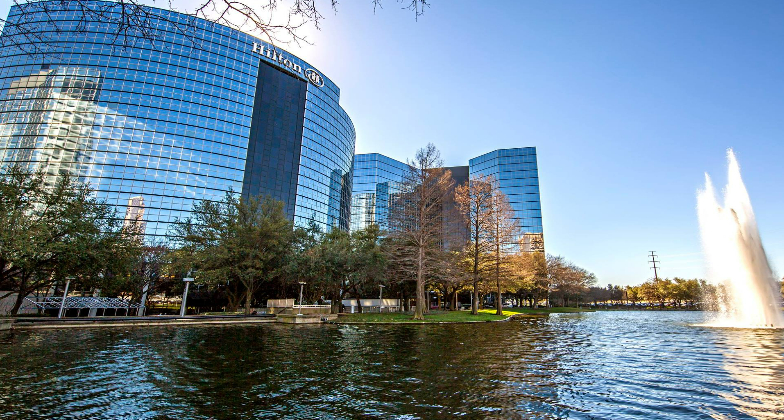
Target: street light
65, 296
188, 281
301, 287
380, 302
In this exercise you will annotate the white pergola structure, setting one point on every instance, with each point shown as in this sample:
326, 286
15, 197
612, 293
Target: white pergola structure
78, 302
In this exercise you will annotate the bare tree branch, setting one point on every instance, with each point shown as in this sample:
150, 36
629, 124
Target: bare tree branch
31, 26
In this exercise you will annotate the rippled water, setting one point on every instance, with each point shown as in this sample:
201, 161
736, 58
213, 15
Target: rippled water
595, 365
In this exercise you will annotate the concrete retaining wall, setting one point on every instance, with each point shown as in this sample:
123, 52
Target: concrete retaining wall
5, 323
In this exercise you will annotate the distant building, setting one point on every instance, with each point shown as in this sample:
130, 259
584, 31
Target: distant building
134, 215
377, 177
517, 174
376, 181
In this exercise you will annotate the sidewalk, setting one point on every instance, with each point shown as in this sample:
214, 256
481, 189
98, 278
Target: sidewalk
31, 323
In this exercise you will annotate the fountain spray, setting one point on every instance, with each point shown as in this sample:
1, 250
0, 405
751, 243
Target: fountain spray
735, 255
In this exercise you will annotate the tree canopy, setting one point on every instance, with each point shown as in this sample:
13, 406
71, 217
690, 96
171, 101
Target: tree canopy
54, 233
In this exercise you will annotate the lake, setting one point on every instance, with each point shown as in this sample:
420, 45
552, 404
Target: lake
607, 365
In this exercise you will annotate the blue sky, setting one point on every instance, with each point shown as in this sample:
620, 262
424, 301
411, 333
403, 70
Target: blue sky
628, 103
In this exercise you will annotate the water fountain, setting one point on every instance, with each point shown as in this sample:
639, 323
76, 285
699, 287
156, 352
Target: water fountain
735, 256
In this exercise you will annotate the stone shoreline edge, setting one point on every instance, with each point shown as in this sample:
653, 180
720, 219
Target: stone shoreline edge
21, 324
507, 319
38, 325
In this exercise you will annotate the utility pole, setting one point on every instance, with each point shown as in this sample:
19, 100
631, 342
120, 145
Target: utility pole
654, 262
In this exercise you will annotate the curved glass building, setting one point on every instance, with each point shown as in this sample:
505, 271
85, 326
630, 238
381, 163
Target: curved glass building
157, 121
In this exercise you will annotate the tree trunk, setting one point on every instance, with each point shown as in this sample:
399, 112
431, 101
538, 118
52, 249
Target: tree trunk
336, 303
248, 297
233, 298
23, 292
498, 306
419, 313
475, 303
18, 303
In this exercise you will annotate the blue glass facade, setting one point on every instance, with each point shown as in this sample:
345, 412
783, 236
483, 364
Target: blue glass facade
517, 175
515, 170
186, 117
376, 179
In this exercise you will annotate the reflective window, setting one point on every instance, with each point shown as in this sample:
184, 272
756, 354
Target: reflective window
154, 127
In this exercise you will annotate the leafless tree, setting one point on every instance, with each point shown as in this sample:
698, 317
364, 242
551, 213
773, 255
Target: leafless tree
475, 201
32, 23
416, 216
503, 230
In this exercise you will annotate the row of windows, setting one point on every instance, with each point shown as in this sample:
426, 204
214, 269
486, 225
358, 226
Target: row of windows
158, 133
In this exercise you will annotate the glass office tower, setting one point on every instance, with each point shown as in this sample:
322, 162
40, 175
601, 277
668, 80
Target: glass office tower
515, 170
376, 181
196, 112
517, 175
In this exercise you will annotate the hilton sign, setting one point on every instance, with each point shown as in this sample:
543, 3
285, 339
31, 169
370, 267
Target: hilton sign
311, 75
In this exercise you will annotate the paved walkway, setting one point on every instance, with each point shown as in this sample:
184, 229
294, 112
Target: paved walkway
30, 323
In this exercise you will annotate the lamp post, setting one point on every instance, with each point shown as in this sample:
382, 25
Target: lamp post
188, 281
301, 287
143, 304
380, 302
65, 296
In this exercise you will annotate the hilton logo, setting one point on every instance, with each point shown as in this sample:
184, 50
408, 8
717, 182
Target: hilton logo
312, 75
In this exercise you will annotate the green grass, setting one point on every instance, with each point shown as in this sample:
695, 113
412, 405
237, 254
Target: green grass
433, 316
539, 311
223, 313
451, 316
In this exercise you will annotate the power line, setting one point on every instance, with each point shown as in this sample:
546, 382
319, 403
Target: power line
654, 262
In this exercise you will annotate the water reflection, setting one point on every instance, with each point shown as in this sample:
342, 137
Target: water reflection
755, 360
600, 365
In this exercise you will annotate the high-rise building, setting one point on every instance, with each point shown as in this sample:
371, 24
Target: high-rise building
377, 180
517, 175
514, 170
173, 116
134, 215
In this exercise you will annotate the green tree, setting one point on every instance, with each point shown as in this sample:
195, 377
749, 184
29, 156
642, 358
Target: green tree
633, 293
332, 265
149, 270
241, 240
55, 233
567, 280
367, 261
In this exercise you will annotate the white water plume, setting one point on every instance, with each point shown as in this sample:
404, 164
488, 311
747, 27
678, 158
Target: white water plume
735, 256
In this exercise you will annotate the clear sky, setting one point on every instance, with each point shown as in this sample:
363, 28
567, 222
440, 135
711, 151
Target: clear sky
628, 104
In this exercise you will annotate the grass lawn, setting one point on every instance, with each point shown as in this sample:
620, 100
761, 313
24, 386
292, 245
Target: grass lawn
433, 316
539, 311
450, 316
